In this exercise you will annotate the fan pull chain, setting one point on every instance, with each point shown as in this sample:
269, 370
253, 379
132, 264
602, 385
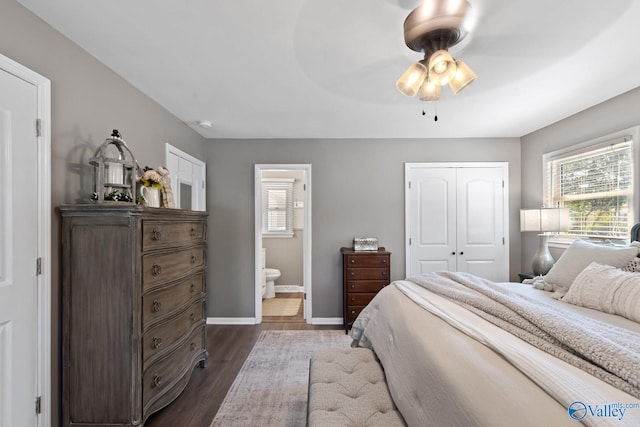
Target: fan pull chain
435, 117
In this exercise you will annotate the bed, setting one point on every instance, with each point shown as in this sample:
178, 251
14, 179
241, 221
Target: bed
458, 350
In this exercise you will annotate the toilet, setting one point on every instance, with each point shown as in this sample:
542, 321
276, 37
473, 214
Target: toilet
269, 277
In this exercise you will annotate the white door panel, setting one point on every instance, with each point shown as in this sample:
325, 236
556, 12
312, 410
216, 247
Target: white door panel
431, 232
18, 251
481, 237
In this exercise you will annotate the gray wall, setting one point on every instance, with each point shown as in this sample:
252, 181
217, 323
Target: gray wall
347, 201
88, 101
619, 113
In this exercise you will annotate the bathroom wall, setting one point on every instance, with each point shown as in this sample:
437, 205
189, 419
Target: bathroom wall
286, 254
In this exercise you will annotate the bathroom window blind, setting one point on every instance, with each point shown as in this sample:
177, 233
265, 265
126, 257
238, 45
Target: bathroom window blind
277, 207
596, 184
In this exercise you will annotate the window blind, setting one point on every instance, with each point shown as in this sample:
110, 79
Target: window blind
277, 207
596, 184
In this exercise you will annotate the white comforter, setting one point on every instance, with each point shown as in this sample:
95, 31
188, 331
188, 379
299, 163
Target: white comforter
448, 367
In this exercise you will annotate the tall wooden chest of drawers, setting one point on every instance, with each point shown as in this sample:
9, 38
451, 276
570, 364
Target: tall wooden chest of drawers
133, 310
364, 273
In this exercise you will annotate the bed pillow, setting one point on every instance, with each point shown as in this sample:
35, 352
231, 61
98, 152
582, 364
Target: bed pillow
608, 289
579, 255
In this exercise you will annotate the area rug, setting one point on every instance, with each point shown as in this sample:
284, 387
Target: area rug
271, 388
281, 306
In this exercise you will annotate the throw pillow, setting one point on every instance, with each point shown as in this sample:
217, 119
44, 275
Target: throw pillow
579, 255
608, 289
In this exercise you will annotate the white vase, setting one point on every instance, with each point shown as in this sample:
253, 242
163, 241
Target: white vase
151, 196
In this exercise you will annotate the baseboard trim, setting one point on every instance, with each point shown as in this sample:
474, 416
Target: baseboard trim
327, 321
288, 288
231, 320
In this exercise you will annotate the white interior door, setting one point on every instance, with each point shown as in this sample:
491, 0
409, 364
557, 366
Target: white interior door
187, 179
432, 229
456, 219
481, 238
18, 251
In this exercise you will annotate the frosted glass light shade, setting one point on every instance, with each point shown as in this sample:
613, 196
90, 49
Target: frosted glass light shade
462, 78
410, 81
429, 91
442, 67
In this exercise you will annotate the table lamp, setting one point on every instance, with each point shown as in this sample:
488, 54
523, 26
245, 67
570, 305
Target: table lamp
546, 221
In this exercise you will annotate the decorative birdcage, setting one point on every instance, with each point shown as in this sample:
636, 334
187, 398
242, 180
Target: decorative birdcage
115, 173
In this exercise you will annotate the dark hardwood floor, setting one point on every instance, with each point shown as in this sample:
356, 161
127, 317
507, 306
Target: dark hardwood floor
228, 346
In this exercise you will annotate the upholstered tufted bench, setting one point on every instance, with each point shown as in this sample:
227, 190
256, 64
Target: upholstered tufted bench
347, 387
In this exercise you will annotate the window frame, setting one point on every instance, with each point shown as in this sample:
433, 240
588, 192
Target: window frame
276, 184
586, 147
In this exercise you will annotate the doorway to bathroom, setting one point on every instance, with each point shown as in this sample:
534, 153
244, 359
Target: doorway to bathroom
282, 243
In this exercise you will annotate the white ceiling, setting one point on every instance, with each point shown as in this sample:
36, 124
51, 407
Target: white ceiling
327, 68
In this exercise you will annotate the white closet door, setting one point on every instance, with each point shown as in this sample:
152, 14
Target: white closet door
432, 228
481, 240
456, 219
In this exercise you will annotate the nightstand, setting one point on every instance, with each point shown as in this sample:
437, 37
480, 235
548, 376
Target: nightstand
523, 276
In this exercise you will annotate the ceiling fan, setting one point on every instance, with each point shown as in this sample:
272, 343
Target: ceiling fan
433, 28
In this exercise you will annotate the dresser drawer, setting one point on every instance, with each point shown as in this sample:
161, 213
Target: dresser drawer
164, 335
161, 302
367, 273
367, 260
164, 267
360, 299
164, 373
162, 233
365, 285
353, 311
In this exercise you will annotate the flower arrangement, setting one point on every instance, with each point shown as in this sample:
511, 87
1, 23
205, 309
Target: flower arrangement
154, 177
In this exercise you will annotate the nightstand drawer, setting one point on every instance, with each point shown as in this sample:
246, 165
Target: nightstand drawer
367, 273
367, 260
365, 285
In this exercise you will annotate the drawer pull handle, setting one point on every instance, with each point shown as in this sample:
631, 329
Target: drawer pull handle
384, 274
353, 261
353, 299
157, 341
192, 316
352, 273
157, 380
193, 259
193, 232
156, 306
384, 260
156, 269
156, 234
353, 286
353, 312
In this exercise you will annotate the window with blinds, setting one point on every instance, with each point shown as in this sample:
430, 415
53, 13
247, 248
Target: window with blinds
596, 184
277, 207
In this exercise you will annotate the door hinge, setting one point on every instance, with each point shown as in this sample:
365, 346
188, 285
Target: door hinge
503, 183
38, 127
38, 404
409, 185
503, 241
38, 266
304, 296
304, 187
409, 241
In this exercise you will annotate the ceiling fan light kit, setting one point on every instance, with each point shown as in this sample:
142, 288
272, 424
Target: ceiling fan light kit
433, 28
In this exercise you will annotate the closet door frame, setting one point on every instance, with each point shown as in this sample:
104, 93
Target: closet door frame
409, 167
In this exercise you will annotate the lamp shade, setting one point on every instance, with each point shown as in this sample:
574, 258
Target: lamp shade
430, 91
544, 219
462, 78
410, 81
442, 67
